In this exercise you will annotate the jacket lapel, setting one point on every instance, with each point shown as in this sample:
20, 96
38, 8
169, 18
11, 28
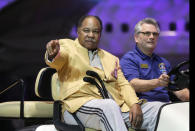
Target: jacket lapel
105, 63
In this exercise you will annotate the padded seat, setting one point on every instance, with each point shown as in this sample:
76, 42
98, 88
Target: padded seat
173, 117
32, 109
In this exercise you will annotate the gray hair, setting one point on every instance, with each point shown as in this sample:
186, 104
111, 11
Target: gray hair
147, 21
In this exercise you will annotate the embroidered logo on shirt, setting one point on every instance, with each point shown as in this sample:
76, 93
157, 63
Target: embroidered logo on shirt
144, 65
162, 68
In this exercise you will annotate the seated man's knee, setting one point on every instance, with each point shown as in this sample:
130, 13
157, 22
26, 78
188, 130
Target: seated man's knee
158, 104
110, 104
155, 105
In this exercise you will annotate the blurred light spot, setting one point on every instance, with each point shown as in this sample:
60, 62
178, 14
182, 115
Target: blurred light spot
124, 27
109, 27
168, 33
172, 26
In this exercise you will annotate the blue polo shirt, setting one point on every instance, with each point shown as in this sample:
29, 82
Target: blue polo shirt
135, 64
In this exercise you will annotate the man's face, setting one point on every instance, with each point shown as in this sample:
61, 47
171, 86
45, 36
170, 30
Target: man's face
89, 33
147, 38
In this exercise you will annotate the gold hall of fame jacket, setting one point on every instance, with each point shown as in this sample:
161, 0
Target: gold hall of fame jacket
71, 64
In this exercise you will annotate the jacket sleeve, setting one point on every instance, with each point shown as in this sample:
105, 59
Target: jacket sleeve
127, 91
61, 58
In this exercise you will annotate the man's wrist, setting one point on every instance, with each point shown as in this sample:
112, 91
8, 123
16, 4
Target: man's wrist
140, 102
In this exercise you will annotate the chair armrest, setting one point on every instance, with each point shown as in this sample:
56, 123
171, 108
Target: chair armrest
59, 125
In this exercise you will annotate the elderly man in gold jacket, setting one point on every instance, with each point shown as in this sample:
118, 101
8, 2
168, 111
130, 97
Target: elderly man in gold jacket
72, 58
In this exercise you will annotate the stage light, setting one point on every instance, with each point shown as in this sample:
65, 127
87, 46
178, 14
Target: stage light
109, 27
172, 26
187, 26
124, 27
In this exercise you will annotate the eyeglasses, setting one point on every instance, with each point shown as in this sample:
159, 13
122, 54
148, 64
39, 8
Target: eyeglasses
155, 34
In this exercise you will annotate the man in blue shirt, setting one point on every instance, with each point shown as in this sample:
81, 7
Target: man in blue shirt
146, 71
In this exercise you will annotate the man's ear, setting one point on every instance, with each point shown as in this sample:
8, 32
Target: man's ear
136, 38
77, 32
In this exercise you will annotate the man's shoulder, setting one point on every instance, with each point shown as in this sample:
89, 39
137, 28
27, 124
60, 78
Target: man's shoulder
107, 53
130, 55
67, 43
64, 41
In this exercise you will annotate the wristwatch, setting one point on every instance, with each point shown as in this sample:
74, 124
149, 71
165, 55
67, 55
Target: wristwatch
140, 102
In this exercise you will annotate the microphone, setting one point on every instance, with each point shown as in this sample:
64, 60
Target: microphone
93, 82
94, 74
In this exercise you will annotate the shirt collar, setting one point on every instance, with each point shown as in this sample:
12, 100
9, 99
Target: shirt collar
142, 55
94, 52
